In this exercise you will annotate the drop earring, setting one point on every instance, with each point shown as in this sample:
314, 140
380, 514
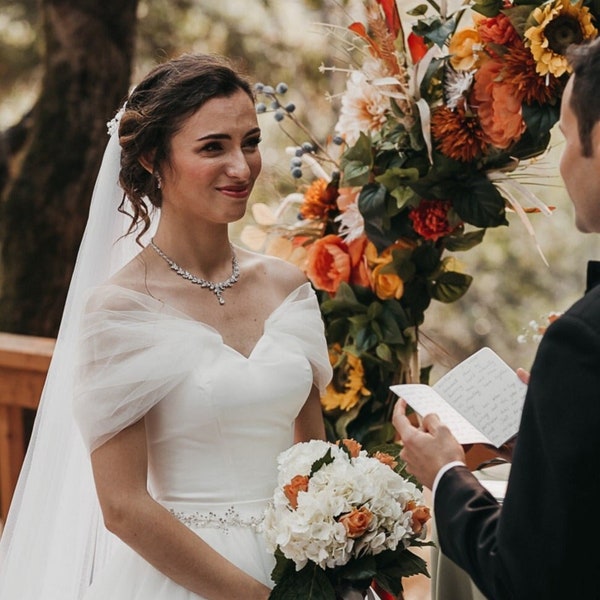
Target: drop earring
158, 181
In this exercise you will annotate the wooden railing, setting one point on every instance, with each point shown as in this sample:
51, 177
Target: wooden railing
24, 362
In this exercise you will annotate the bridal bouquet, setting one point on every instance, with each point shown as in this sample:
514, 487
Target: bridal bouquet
342, 519
441, 118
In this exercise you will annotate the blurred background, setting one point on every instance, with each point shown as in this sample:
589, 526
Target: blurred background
55, 56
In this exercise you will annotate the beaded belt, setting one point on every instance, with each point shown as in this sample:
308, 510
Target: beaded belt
230, 517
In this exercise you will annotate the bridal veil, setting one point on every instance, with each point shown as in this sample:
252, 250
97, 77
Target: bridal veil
54, 538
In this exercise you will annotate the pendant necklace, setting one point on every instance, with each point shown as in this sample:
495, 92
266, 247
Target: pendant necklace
216, 287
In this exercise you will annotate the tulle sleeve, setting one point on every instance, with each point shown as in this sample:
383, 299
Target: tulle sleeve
131, 354
299, 317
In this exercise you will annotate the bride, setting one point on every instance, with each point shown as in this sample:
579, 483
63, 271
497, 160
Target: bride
188, 370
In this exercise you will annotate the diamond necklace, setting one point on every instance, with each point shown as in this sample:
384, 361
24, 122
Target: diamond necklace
215, 287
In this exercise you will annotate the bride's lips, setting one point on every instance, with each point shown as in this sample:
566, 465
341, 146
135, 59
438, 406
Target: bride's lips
235, 191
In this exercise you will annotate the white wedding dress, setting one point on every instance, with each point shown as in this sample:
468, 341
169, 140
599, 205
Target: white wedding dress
215, 419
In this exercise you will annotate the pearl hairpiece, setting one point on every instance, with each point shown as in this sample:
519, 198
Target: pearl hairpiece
112, 126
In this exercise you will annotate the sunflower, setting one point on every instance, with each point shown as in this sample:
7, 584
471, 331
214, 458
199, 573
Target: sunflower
348, 384
558, 24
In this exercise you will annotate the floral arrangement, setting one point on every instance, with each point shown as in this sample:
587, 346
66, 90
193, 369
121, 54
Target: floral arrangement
436, 127
342, 519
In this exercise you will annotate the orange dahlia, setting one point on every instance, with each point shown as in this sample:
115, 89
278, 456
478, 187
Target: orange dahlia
458, 134
520, 70
319, 200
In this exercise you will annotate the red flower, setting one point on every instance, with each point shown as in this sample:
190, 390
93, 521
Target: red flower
430, 219
417, 47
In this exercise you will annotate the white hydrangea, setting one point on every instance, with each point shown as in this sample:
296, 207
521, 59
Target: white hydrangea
312, 532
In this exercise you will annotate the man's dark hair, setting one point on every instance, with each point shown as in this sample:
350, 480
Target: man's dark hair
585, 103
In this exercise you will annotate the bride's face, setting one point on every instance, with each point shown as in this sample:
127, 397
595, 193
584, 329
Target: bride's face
214, 162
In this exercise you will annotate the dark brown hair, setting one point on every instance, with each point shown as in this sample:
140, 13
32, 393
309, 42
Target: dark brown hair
585, 61
155, 111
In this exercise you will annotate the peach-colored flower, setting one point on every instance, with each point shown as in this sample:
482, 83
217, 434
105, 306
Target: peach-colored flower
360, 273
299, 483
420, 515
386, 459
351, 445
498, 105
289, 250
464, 49
430, 219
357, 521
328, 263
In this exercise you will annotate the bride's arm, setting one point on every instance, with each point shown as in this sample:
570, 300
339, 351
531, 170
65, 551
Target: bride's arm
120, 473
309, 423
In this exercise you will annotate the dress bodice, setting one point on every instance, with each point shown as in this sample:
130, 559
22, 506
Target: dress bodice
216, 436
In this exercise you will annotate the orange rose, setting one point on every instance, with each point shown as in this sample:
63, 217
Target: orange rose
420, 516
328, 263
464, 47
357, 521
386, 459
498, 105
360, 274
298, 484
352, 446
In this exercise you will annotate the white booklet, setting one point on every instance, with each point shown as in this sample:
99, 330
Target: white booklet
480, 400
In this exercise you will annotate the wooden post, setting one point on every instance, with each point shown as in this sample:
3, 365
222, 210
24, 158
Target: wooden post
24, 362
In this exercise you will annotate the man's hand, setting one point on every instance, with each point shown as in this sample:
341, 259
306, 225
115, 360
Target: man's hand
426, 449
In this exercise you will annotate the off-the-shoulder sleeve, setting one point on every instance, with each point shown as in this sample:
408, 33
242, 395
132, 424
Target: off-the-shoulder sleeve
131, 354
300, 318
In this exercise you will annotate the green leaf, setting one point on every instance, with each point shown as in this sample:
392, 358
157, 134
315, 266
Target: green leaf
464, 241
310, 583
321, 462
383, 352
450, 286
394, 566
477, 201
357, 161
488, 8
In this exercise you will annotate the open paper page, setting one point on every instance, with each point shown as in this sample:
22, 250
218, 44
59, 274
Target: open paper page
480, 400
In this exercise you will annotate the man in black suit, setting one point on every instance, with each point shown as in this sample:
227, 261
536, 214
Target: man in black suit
543, 542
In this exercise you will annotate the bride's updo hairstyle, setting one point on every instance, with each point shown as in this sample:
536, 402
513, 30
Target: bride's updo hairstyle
155, 111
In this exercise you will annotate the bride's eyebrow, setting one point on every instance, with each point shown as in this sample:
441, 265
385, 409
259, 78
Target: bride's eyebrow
226, 136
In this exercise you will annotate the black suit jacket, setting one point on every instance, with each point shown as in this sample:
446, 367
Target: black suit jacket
544, 542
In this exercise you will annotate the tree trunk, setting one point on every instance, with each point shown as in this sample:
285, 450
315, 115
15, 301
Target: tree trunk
89, 49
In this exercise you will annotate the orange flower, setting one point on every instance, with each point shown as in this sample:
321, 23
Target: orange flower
386, 282
348, 384
351, 445
457, 134
520, 69
420, 516
430, 219
464, 47
319, 200
357, 521
328, 263
360, 273
498, 105
386, 459
298, 484
497, 30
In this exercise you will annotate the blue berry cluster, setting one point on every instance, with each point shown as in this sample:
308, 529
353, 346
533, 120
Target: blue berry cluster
273, 103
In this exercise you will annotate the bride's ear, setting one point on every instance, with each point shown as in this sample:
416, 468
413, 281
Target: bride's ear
147, 161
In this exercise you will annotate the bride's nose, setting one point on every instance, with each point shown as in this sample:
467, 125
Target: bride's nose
238, 166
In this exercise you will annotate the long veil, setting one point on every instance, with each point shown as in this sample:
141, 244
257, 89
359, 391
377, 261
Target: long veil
54, 537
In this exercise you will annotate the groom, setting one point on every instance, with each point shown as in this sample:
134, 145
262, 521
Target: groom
536, 545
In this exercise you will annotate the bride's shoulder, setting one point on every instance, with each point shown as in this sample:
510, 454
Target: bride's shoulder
274, 271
